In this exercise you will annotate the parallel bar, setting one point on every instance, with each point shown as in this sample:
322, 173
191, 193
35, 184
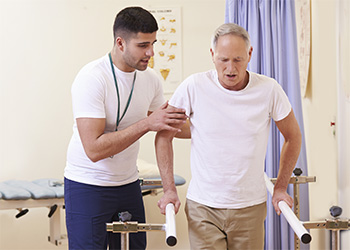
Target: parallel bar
298, 179
293, 221
170, 228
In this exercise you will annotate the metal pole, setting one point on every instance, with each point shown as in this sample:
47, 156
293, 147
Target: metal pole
297, 212
335, 240
124, 241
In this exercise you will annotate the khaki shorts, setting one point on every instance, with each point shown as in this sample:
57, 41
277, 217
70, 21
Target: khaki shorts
212, 228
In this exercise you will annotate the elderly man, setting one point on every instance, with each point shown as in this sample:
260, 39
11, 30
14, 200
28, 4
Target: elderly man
230, 111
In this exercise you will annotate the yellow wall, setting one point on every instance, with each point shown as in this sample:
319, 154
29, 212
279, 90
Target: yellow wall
320, 108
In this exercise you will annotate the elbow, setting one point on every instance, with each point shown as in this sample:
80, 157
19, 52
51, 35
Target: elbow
93, 156
298, 138
94, 159
95, 152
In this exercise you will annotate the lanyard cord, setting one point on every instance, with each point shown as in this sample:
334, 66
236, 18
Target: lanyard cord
116, 86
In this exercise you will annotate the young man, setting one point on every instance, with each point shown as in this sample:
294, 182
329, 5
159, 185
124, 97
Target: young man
116, 100
230, 111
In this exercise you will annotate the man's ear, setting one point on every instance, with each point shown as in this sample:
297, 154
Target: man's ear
250, 52
212, 54
120, 43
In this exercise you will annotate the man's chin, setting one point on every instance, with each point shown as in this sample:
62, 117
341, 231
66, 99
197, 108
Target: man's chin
142, 67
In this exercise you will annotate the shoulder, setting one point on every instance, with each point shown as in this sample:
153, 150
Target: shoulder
210, 74
97, 69
199, 79
100, 64
264, 82
93, 75
194, 84
261, 79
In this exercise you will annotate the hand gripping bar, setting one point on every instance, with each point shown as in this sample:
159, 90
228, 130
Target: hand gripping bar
170, 226
290, 216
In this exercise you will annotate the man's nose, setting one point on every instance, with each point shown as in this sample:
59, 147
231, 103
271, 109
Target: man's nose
150, 51
231, 66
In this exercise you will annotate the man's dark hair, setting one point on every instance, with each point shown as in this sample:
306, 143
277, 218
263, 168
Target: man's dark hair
132, 20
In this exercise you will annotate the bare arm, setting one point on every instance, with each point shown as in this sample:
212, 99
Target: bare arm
164, 153
289, 155
99, 145
185, 132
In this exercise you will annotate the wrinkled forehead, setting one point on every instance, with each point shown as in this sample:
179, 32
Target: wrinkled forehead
230, 41
231, 46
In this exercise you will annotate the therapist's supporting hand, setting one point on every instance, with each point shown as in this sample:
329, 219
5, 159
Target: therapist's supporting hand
166, 118
169, 196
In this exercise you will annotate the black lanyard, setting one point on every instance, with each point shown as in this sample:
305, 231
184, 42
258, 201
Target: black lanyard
116, 86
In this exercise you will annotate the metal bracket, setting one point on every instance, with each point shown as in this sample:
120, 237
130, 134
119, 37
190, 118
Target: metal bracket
330, 224
150, 182
298, 179
133, 227
335, 225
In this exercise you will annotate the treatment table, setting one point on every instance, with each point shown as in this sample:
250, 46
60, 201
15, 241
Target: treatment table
22, 195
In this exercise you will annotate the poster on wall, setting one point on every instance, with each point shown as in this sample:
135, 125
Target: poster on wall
344, 47
302, 12
167, 59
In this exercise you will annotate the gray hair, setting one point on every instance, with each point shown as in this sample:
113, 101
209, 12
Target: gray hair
230, 29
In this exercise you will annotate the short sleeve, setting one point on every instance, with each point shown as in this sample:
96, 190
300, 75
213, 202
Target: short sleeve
281, 106
158, 98
182, 96
88, 97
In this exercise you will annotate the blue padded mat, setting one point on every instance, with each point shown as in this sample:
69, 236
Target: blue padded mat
36, 191
9, 192
53, 184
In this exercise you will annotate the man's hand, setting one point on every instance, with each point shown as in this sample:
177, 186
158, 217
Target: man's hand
280, 195
165, 118
169, 197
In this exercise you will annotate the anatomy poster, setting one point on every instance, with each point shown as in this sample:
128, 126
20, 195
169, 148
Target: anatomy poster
167, 59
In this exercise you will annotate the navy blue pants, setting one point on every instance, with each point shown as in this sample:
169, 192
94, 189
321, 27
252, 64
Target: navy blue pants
89, 208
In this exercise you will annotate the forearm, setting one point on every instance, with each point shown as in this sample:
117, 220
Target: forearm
165, 160
289, 156
109, 144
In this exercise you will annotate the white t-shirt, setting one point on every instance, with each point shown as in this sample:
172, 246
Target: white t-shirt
229, 131
94, 95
